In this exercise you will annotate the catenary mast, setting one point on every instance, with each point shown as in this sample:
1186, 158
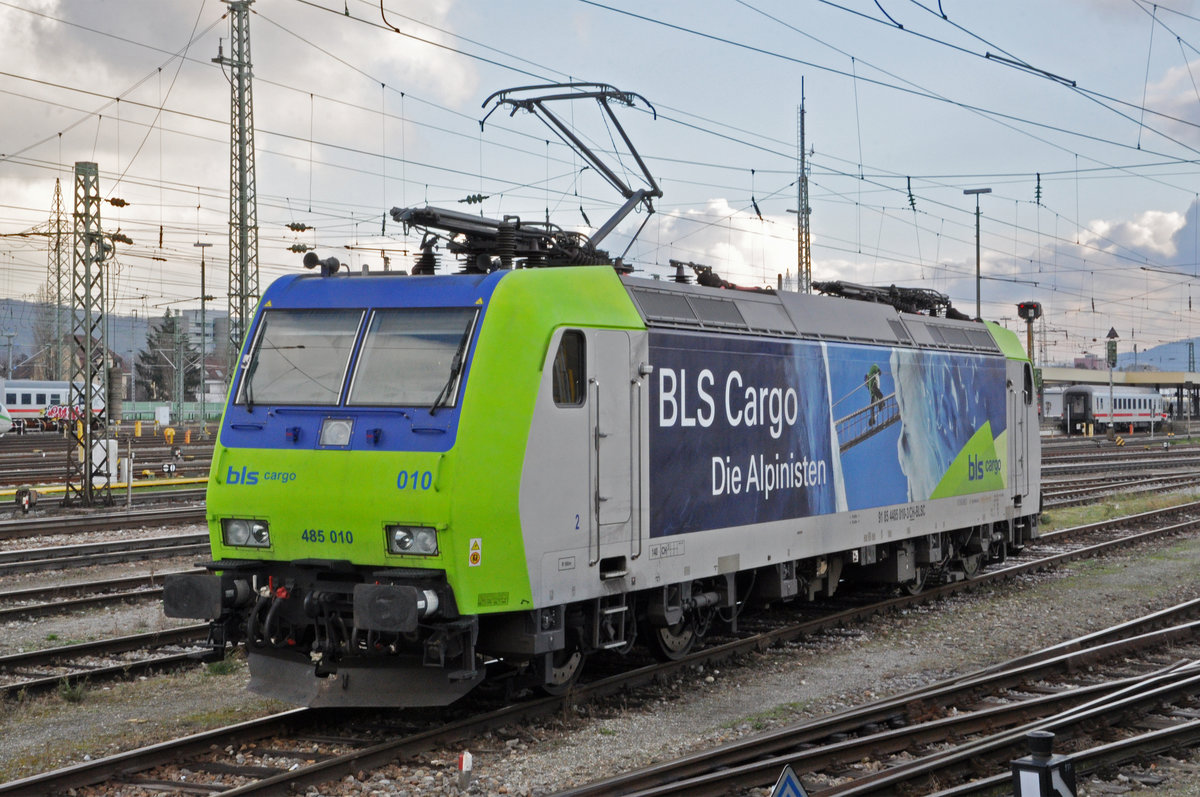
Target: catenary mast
243, 200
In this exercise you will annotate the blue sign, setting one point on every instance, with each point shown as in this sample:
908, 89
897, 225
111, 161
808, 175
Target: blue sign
788, 785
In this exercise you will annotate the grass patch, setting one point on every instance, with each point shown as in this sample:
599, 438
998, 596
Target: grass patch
1099, 567
52, 732
73, 692
1179, 551
1112, 507
226, 666
215, 718
764, 719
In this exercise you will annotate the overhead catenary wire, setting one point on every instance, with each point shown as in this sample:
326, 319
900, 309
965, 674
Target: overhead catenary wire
478, 176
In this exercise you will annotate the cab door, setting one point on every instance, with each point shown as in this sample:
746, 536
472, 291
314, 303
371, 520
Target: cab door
614, 398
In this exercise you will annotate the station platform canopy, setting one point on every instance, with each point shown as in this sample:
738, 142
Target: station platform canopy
1058, 375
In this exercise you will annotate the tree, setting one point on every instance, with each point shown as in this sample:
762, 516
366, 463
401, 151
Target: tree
41, 365
156, 363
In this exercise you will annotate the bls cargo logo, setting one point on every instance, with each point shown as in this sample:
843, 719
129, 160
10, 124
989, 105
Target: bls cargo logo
241, 477
977, 467
250, 478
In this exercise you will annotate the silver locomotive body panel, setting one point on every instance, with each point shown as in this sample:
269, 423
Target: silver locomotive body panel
702, 450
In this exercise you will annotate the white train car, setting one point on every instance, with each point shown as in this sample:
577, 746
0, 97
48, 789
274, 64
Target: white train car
1128, 409
41, 404
1052, 404
29, 399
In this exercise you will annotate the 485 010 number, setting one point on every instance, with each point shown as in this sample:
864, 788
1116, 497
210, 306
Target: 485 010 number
333, 536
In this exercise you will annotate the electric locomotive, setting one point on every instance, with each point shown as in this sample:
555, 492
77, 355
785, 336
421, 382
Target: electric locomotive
423, 481
423, 478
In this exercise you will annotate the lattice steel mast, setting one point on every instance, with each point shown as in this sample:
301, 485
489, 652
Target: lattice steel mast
89, 360
243, 200
58, 281
804, 231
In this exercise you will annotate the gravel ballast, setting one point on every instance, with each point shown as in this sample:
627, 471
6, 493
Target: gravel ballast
873, 659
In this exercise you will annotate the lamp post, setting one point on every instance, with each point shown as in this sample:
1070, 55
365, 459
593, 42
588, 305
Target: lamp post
203, 352
1111, 356
976, 192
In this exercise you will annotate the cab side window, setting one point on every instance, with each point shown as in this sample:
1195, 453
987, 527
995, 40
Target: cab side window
569, 374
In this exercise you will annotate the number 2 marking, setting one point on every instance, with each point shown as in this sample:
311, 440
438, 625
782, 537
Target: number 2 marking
577, 522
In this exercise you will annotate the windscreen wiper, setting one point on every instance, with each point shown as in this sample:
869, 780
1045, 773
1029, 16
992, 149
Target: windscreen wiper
455, 366
249, 380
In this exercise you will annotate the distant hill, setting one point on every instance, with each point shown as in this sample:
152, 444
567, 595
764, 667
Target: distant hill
1164, 357
127, 333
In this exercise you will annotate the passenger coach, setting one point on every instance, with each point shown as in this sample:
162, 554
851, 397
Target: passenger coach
1090, 408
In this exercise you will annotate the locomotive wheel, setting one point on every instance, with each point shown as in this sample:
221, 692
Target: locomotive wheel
564, 670
671, 643
915, 586
971, 564
999, 551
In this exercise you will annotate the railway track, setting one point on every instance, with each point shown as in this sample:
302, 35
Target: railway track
288, 752
1150, 461
47, 463
120, 519
956, 724
28, 672
87, 554
30, 602
1075, 492
52, 474
106, 659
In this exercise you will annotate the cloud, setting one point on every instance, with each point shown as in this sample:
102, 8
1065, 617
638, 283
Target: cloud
734, 242
1151, 233
1177, 95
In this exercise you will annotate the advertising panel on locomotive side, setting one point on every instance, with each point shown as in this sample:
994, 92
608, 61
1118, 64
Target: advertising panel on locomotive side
750, 431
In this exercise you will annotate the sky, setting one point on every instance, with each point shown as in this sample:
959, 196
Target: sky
1081, 116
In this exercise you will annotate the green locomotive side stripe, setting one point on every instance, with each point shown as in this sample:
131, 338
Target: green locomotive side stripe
978, 467
1008, 341
526, 309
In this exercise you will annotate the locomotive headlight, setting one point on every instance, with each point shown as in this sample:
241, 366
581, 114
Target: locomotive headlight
336, 431
412, 540
245, 532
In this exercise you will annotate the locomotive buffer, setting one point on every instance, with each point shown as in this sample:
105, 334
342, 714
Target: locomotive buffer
872, 419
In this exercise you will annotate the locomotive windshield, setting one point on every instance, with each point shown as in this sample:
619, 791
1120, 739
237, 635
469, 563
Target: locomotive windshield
412, 357
300, 357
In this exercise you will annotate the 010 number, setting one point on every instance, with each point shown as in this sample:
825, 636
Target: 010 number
416, 480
